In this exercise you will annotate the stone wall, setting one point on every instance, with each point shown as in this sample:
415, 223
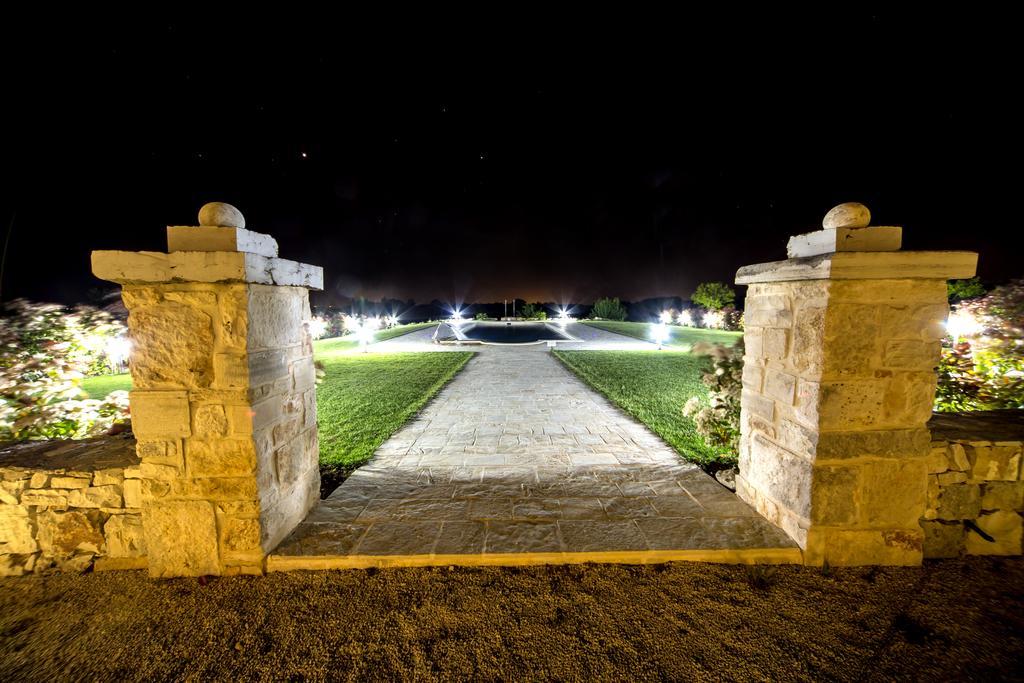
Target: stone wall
975, 485
224, 409
838, 385
70, 505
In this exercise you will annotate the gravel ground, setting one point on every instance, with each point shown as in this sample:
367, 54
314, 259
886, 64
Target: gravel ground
950, 620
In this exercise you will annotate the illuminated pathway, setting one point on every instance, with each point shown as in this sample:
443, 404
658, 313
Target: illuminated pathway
517, 461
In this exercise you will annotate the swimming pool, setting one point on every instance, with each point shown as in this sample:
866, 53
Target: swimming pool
503, 333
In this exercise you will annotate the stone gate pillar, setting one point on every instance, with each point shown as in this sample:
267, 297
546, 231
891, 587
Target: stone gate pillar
223, 402
842, 340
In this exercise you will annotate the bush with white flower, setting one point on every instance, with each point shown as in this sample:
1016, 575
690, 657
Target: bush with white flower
45, 351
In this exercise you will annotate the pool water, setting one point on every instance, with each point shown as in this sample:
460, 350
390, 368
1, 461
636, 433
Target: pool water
513, 333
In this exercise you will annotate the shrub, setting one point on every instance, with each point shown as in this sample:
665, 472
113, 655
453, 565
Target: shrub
713, 295
609, 309
481, 316
45, 351
958, 290
986, 370
719, 421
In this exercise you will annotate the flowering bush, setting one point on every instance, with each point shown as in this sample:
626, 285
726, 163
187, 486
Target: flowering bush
45, 351
983, 367
719, 421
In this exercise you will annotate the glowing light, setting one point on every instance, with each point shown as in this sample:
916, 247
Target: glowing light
665, 317
362, 328
456, 316
117, 350
962, 324
714, 320
317, 327
685, 318
391, 321
563, 316
659, 333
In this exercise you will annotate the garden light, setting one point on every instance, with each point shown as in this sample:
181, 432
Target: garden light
685, 318
317, 327
666, 317
714, 320
659, 333
391, 321
117, 350
962, 323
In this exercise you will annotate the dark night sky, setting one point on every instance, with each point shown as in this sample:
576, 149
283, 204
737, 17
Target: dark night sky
497, 160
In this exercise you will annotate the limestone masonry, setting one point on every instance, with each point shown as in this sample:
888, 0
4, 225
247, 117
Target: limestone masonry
65, 505
224, 399
838, 385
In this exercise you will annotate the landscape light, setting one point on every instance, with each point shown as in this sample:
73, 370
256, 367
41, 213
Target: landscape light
714, 320
563, 316
317, 327
685, 319
666, 317
962, 323
391, 321
116, 350
456, 316
659, 333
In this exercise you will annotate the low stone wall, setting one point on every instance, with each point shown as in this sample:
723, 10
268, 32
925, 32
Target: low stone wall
70, 505
975, 486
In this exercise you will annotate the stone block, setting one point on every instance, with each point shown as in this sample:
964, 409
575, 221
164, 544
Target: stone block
808, 341
857, 547
827, 241
893, 492
241, 534
959, 501
752, 404
781, 475
943, 539
266, 367
1002, 495
10, 491
956, 458
181, 538
108, 477
851, 404
769, 318
96, 497
911, 354
45, 497
304, 373
864, 265
950, 478
65, 533
17, 531
913, 321
995, 463
210, 421
797, 438
776, 344
834, 499
753, 377
132, 493
59, 482
1004, 526
220, 457
230, 371
172, 346
878, 443
937, 460
160, 415
780, 386
39, 480
124, 536
209, 238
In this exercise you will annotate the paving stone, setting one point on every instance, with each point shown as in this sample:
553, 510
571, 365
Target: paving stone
602, 536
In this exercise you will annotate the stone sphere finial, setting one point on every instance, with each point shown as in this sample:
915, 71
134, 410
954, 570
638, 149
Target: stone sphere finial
847, 215
222, 215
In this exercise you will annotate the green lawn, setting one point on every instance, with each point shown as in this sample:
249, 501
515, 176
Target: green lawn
366, 398
99, 387
682, 337
652, 386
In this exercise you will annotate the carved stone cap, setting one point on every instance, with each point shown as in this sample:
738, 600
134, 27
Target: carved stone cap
151, 267
865, 265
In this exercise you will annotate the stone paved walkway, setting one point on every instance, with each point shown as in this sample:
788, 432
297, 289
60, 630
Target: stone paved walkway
518, 462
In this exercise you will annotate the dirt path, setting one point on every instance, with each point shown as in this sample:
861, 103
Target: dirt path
950, 620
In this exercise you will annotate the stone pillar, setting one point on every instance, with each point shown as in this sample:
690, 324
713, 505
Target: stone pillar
223, 402
842, 341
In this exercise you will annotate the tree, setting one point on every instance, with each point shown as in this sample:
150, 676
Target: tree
958, 290
609, 309
713, 296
